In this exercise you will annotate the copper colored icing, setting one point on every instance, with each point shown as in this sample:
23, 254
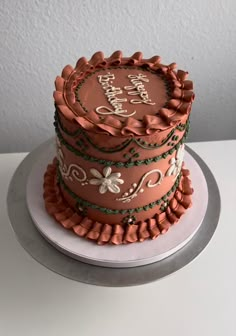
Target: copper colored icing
116, 234
155, 89
117, 176
174, 111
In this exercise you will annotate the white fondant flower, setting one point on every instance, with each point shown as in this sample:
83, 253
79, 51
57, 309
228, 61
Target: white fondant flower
176, 163
108, 181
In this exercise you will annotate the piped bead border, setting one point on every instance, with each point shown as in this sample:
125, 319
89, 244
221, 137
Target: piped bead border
141, 143
119, 164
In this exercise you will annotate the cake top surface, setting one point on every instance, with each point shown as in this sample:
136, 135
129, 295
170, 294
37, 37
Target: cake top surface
123, 92
123, 96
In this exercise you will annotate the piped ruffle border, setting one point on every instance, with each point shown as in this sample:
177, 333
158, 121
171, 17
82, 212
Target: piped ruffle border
116, 234
175, 110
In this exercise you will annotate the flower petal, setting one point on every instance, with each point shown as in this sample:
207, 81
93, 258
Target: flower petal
115, 175
102, 189
182, 156
119, 181
175, 171
179, 162
170, 170
95, 181
178, 171
179, 167
95, 173
115, 179
180, 152
113, 188
106, 171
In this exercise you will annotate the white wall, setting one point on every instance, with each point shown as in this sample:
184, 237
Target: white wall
38, 38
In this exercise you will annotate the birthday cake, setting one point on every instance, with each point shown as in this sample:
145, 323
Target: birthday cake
118, 175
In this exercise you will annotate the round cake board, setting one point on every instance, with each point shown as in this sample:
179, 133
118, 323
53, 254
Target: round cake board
130, 255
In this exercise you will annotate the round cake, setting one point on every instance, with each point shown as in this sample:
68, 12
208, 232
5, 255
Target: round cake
121, 123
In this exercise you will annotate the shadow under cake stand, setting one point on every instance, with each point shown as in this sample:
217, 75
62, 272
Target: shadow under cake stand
155, 258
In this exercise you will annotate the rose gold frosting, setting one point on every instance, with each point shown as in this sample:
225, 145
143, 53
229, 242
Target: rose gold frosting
121, 123
155, 84
176, 109
103, 233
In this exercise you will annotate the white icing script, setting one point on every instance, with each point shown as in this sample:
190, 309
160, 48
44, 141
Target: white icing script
138, 89
128, 196
73, 171
111, 92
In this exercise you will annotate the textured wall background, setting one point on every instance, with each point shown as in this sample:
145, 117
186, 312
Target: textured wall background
38, 38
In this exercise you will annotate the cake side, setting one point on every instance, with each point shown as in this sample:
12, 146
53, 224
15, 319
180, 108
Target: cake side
121, 124
103, 233
140, 174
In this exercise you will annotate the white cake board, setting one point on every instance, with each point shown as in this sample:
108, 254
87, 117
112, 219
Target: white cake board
136, 254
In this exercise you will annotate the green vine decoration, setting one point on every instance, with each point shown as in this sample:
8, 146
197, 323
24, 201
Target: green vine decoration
119, 164
131, 154
164, 205
181, 127
85, 204
114, 149
141, 143
173, 140
57, 122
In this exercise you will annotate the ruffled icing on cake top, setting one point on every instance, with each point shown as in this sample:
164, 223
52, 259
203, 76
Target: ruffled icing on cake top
124, 96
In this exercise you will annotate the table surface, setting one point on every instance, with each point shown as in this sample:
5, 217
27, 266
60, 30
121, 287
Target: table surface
199, 299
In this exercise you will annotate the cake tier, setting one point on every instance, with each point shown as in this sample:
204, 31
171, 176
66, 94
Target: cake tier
113, 180
124, 96
121, 124
104, 233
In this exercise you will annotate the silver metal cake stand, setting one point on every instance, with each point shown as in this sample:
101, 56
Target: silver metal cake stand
47, 255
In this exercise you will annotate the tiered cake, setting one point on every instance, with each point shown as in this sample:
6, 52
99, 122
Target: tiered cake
121, 123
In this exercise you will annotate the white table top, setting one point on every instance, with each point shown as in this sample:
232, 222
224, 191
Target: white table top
199, 299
